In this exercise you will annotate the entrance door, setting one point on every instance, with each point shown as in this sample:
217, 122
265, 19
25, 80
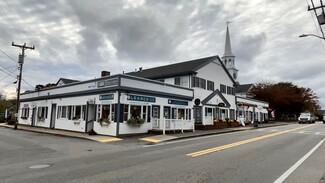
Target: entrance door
90, 117
33, 116
155, 116
53, 113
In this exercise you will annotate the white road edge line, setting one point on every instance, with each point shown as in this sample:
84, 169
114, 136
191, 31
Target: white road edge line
298, 163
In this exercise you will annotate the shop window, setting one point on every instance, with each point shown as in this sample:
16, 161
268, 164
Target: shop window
24, 113
174, 113
77, 112
167, 112
113, 112
144, 112
84, 112
42, 113
208, 111
126, 112
104, 112
181, 114
62, 111
135, 111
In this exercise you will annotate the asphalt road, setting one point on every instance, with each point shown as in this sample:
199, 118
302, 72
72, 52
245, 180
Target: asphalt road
291, 153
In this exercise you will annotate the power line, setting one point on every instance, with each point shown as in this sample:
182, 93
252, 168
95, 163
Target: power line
8, 74
8, 55
28, 83
3, 70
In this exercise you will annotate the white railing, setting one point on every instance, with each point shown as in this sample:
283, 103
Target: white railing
172, 124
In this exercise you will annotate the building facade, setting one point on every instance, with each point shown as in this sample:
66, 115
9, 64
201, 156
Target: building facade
173, 97
105, 105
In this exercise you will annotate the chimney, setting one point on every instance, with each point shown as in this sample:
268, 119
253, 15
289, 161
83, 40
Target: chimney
105, 73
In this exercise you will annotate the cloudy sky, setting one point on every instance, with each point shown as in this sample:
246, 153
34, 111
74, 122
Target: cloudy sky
77, 39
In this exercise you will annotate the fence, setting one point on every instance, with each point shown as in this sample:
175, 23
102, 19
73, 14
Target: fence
172, 124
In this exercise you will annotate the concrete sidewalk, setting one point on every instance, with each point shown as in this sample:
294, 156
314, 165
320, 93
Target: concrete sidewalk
149, 137
198, 133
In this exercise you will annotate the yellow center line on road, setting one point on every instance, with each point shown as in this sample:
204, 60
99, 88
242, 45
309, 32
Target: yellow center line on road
220, 148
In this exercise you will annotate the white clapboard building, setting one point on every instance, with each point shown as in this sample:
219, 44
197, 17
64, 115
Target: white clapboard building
170, 97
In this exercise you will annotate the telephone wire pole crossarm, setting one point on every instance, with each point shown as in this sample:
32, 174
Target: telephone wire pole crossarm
20, 62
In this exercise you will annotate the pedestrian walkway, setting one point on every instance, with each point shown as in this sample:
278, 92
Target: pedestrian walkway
149, 137
98, 138
197, 133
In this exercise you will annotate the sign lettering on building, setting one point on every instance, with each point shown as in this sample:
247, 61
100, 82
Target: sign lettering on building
106, 97
141, 98
177, 102
107, 82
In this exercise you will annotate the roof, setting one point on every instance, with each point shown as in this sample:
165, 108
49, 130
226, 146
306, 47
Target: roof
244, 88
66, 81
178, 69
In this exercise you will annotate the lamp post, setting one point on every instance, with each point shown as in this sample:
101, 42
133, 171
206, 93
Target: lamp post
306, 35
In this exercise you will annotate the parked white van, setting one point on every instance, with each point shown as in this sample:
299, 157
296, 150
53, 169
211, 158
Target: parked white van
306, 118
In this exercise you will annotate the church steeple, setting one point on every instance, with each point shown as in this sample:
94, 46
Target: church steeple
228, 51
228, 58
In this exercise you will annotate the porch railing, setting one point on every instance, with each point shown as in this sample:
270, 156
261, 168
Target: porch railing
172, 124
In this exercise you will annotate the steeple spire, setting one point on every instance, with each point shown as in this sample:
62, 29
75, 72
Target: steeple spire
228, 51
228, 58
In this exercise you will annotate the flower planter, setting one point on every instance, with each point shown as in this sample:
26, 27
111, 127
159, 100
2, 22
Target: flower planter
104, 124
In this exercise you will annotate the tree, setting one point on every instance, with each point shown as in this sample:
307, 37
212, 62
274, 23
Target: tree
285, 98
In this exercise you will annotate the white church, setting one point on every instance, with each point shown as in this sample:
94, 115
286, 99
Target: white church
172, 97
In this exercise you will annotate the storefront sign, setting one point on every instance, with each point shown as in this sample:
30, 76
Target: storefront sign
107, 82
106, 97
177, 102
141, 98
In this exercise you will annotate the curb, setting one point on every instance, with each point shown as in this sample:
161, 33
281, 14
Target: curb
43, 132
178, 138
221, 132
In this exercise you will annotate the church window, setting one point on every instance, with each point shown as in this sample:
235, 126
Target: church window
210, 85
223, 88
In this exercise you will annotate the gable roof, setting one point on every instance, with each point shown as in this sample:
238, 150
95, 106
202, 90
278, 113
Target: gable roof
244, 88
178, 69
66, 81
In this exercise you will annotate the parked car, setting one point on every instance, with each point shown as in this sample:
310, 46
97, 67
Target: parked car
306, 118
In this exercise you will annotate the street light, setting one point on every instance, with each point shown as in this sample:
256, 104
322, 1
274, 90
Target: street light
306, 35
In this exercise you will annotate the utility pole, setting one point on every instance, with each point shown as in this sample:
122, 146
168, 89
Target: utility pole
20, 62
320, 17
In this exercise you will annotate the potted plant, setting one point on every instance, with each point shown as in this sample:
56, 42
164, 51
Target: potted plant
104, 121
135, 121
